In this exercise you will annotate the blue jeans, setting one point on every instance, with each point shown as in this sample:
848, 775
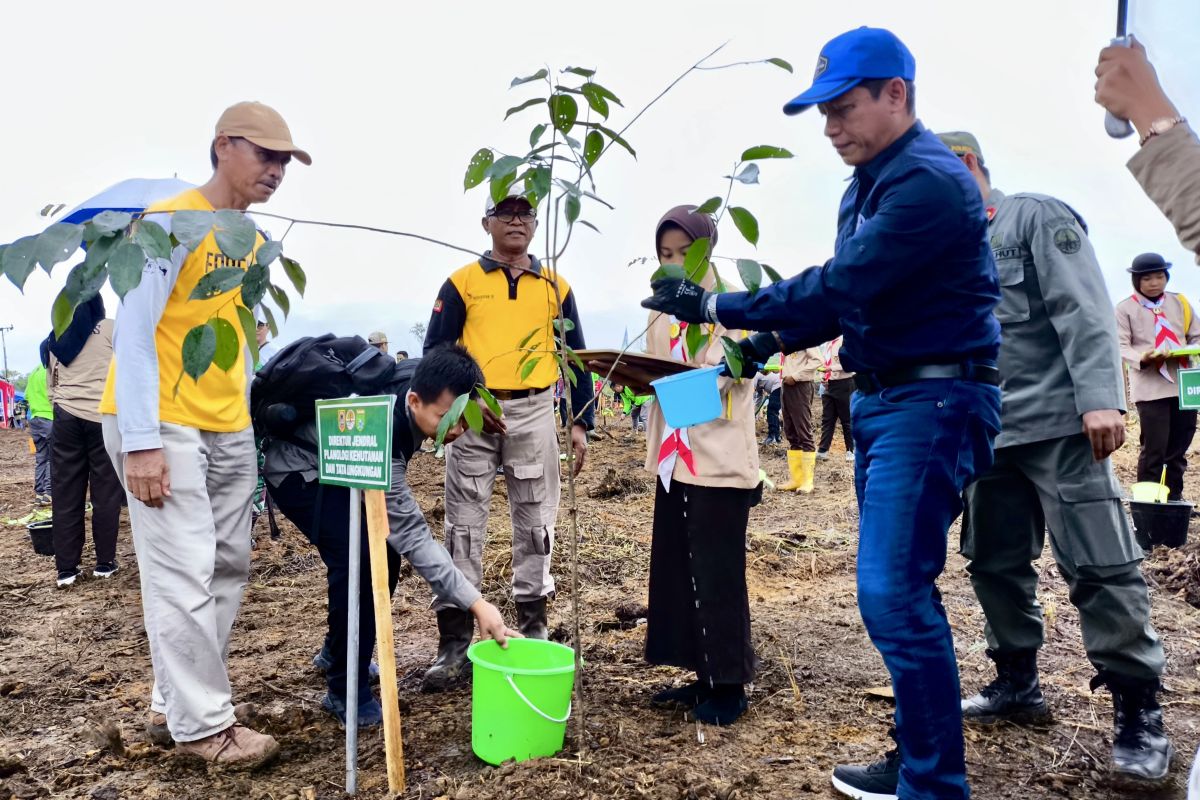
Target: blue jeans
917, 447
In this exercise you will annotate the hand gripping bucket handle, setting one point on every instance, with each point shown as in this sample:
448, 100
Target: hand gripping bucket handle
508, 677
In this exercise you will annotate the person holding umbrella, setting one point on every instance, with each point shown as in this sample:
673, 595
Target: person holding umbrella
911, 288
186, 458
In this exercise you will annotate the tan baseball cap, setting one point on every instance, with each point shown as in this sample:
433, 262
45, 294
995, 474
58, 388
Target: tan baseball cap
262, 125
377, 337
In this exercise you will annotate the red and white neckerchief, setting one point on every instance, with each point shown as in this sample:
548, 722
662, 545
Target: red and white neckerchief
675, 444
828, 350
1164, 335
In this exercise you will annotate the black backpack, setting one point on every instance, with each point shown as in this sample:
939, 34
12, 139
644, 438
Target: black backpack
320, 368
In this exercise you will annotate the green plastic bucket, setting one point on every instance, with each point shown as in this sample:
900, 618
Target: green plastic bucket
520, 698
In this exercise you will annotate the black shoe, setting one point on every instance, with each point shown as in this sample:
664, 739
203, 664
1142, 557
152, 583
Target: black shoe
687, 696
455, 630
1014, 696
1141, 748
323, 661
878, 781
722, 705
531, 618
66, 577
105, 570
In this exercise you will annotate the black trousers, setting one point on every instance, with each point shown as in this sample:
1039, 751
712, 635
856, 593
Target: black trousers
774, 404
325, 522
1166, 436
835, 407
80, 462
699, 616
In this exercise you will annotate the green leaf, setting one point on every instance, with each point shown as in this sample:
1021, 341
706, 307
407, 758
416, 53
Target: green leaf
125, 266
84, 282
527, 104
271, 324
151, 237
694, 337
535, 135
474, 416
111, 221
709, 206
504, 166
217, 282
61, 313
595, 99
537, 76
199, 347
191, 227
281, 299
227, 348
99, 250
766, 151
57, 243
749, 174
695, 263
593, 146
528, 337
451, 417
582, 72
746, 224
733, 356
295, 273
563, 324
537, 182
771, 273
750, 272
235, 233
268, 252
249, 330
489, 399
572, 208
501, 186
616, 137
669, 271
478, 168
779, 62
720, 286
564, 111
529, 367
20, 260
577, 361
590, 225
254, 285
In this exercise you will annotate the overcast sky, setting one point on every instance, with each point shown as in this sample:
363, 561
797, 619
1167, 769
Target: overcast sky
391, 103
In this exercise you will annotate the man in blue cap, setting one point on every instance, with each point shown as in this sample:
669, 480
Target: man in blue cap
911, 289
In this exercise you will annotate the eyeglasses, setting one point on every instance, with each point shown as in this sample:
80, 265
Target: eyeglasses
264, 155
509, 216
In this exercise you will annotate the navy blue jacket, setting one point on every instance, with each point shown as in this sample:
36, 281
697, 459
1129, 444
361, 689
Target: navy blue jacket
912, 280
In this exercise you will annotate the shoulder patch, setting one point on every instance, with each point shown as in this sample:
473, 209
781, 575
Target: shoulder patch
437, 306
1067, 240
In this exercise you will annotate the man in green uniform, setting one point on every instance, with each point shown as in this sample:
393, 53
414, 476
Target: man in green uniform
41, 431
1063, 400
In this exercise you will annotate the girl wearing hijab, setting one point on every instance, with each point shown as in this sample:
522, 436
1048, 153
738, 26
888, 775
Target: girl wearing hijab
699, 617
1150, 324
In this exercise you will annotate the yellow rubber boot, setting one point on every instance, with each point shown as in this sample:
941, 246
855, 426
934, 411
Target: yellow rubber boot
793, 457
808, 464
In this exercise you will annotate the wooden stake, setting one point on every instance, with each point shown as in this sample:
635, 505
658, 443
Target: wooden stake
377, 532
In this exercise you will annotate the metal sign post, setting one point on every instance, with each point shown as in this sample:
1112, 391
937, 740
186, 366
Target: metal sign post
354, 442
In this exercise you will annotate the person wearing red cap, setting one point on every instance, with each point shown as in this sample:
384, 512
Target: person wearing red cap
186, 458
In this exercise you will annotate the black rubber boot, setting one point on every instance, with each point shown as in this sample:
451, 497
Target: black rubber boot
1141, 748
687, 696
1014, 696
531, 618
723, 704
456, 629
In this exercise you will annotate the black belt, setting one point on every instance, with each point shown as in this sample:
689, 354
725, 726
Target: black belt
872, 382
515, 394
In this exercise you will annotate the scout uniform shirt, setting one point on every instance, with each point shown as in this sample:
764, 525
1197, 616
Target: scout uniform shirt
148, 344
802, 365
1168, 169
1059, 357
1135, 331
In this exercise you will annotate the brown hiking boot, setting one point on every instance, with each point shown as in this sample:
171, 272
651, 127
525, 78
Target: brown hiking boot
236, 747
156, 730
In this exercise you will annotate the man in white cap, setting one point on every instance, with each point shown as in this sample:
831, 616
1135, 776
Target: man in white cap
186, 458
379, 339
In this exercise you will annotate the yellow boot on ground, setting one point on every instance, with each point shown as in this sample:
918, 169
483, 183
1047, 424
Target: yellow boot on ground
808, 463
794, 468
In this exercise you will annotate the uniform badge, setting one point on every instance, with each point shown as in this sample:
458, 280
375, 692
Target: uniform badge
437, 306
991, 213
996, 242
1067, 241
822, 65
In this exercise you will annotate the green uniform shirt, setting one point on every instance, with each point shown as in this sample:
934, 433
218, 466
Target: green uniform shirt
36, 396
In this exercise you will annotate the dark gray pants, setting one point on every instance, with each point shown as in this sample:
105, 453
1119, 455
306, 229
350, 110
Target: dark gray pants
1057, 485
42, 432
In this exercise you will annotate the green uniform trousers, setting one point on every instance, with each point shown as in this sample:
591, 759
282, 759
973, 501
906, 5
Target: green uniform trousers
1057, 485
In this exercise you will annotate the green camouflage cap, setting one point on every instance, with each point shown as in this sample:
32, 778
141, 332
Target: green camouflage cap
961, 143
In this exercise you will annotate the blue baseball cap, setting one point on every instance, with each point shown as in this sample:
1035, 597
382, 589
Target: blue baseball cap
856, 56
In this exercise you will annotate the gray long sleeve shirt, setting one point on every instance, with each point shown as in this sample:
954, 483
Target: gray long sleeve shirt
409, 534
1059, 356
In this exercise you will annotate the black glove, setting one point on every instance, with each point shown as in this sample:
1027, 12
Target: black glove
681, 298
756, 349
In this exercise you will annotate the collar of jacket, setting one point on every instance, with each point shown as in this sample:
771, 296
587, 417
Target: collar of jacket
872, 168
488, 264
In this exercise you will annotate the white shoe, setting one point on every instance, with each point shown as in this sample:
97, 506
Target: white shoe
849, 456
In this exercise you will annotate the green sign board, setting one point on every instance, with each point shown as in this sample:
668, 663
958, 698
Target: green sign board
354, 441
1189, 389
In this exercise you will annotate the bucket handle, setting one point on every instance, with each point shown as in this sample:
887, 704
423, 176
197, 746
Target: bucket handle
534, 708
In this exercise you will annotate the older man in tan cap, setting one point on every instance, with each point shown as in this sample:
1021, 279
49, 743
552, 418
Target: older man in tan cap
186, 458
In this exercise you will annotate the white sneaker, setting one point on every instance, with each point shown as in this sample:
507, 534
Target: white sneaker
67, 577
849, 456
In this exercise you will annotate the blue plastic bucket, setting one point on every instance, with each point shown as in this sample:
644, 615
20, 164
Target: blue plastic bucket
689, 398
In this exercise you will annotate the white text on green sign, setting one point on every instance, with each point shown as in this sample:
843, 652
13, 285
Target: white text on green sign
354, 441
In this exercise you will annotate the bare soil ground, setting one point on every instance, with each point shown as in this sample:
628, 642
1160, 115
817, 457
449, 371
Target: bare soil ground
75, 671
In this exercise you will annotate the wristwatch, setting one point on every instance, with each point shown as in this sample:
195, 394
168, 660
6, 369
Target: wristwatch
1159, 127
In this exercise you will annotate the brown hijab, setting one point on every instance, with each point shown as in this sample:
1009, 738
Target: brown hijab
695, 225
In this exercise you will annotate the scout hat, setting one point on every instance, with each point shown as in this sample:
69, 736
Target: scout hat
1149, 262
848, 60
262, 125
961, 143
